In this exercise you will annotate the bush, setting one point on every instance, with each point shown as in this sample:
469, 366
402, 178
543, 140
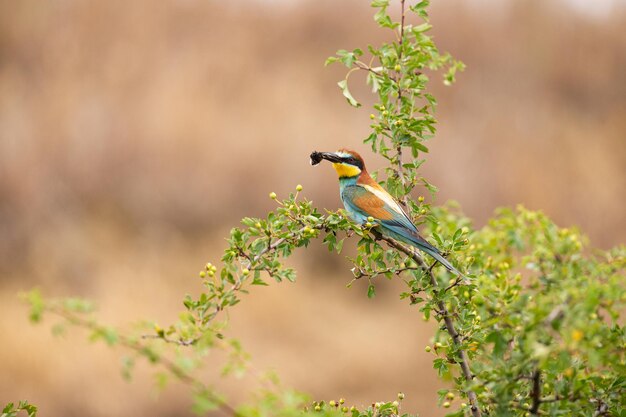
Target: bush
532, 327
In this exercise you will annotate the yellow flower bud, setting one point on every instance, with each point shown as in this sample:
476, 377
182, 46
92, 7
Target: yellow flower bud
273, 195
298, 187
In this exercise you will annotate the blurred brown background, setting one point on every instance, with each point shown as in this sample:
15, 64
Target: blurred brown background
133, 135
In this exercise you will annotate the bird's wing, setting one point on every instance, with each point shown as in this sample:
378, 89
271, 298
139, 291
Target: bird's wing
377, 203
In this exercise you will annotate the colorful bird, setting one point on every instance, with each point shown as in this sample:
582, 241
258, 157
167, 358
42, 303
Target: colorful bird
365, 199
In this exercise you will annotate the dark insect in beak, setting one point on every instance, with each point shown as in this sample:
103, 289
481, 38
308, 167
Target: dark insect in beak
316, 157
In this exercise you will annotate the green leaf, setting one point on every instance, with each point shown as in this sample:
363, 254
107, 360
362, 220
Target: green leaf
420, 146
346, 93
380, 3
499, 343
371, 291
422, 28
204, 402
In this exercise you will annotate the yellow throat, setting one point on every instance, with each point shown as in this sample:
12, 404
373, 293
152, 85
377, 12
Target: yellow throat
346, 170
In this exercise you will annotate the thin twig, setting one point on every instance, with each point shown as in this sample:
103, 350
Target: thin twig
366, 67
141, 349
399, 105
536, 392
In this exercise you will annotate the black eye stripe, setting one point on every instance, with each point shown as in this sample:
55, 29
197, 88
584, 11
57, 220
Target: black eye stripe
352, 161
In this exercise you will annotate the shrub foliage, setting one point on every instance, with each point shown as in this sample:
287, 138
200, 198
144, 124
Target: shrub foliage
533, 329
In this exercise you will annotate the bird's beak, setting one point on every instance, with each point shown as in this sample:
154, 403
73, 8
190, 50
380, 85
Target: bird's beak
316, 157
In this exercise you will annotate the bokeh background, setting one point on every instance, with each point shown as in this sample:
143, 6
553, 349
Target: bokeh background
133, 135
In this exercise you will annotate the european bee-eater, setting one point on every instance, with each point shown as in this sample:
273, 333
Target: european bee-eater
364, 198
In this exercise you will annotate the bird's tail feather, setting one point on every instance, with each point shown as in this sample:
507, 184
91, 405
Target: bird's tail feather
414, 239
432, 251
420, 243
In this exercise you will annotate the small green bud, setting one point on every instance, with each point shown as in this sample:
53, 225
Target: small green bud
211, 273
463, 405
397, 67
398, 122
385, 113
202, 274
438, 345
450, 396
344, 409
342, 400
401, 394
478, 318
318, 408
395, 404
368, 225
372, 116
377, 405
298, 187
466, 294
446, 404
427, 349
245, 272
273, 195
209, 266
332, 403
420, 199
